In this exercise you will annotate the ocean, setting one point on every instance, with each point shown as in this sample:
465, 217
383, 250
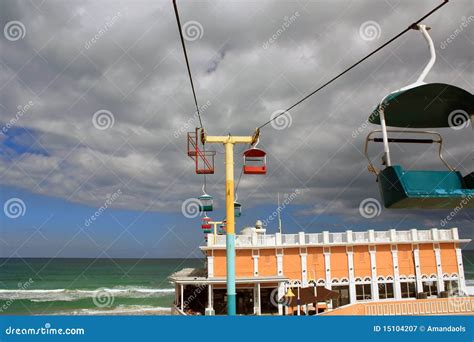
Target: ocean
36, 286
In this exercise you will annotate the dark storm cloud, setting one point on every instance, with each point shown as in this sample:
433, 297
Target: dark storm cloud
80, 57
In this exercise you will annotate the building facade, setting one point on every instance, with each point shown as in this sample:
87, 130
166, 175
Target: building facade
360, 266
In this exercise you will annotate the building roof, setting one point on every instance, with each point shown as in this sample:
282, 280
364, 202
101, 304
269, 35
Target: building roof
347, 238
199, 276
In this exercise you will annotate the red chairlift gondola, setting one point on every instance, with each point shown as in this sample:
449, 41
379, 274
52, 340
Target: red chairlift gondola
255, 162
205, 225
204, 160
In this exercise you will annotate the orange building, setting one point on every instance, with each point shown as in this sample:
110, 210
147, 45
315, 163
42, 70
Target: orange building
359, 266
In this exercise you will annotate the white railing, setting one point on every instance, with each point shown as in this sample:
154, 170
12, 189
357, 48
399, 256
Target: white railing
243, 240
220, 240
335, 238
445, 234
313, 239
403, 235
289, 239
424, 235
361, 236
382, 236
266, 240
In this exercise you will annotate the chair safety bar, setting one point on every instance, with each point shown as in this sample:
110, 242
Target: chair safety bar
406, 141
438, 140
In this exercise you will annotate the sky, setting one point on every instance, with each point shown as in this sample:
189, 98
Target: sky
95, 103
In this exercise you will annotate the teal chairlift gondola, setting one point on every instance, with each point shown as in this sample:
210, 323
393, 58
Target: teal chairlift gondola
237, 207
222, 228
205, 201
416, 106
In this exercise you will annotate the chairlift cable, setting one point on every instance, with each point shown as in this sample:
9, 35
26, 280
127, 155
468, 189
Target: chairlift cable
357, 63
187, 61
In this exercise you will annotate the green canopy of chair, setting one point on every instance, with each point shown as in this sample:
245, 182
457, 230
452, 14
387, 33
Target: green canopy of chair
431, 105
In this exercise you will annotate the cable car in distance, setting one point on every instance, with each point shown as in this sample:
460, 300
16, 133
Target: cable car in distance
421, 105
205, 225
255, 162
205, 202
222, 228
237, 209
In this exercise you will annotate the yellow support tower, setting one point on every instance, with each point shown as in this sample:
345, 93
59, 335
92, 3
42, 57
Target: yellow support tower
229, 142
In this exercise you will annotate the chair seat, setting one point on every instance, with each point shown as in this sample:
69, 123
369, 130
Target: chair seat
424, 189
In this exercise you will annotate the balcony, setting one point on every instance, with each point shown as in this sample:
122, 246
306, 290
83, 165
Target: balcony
345, 238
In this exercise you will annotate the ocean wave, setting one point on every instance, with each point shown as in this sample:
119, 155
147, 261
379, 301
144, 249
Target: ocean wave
121, 310
39, 295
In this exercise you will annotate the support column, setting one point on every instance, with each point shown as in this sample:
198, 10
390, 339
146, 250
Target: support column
255, 255
257, 300
462, 279
373, 268
182, 296
230, 228
210, 265
279, 255
327, 266
439, 267
350, 263
210, 301
281, 293
298, 306
229, 142
396, 273
416, 258
304, 267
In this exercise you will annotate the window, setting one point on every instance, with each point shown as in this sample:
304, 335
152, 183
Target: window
452, 286
343, 292
363, 292
385, 290
430, 287
408, 289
